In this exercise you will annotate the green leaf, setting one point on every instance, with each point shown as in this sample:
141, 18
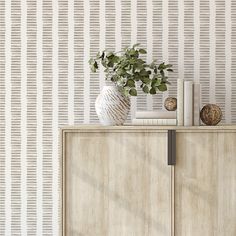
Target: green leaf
110, 54
140, 61
164, 79
104, 63
144, 73
90, 60
155, 82
121, 72
125, 92
162, 87
136, 45
157, 76
142, 51
170, 70
136, 77
110, 64
145, 80
153, 65
161, 66
93, 68
133, 92
162, 73
132, 52
121, 81
132, 61
138, 67
153, 91
168, 65
130, 83
145, 89
115, 59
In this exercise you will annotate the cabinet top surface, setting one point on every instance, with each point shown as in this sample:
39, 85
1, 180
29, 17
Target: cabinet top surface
149, 128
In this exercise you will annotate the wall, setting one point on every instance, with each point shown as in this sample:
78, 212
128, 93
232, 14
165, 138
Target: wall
45, 81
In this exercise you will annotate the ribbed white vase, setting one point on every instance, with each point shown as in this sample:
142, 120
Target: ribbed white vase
111, 106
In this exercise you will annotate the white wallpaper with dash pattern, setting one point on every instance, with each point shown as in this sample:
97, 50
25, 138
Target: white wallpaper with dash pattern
45, 82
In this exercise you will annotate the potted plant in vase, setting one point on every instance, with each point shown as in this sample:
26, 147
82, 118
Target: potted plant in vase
127, 70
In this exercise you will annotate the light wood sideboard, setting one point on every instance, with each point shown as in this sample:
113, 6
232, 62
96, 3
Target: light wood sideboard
116, 181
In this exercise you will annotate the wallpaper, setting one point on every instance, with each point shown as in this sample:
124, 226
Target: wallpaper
45, 82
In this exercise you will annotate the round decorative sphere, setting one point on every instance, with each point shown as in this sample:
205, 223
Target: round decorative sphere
170, 104
211, 114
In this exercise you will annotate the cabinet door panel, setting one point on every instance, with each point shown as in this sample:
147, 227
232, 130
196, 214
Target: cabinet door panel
205, 184
117, 184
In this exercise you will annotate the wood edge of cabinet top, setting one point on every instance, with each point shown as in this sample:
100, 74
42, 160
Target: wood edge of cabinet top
137, 128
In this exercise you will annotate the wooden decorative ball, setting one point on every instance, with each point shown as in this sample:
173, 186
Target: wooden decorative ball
170, 104
211, 114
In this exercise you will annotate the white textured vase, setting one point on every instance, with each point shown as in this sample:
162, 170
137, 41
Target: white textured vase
111, 106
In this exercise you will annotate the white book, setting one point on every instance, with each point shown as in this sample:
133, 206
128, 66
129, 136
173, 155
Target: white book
158, 114
154, 122
180, 102
188, 103
197, 103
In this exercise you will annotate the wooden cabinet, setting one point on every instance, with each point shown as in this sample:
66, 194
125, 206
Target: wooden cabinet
113, 180
116, 181
205, 184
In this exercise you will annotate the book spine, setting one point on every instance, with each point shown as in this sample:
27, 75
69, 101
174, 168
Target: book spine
154, 121
137, 121
188, 103
197, 103
180, 102
156, 115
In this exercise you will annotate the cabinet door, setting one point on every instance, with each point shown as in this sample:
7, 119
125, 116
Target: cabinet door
116, 184
205, 184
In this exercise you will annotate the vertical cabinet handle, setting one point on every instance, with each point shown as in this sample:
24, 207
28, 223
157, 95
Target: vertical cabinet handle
171, 147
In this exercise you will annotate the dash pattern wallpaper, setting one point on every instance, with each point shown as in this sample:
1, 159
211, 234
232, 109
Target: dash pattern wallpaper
45, 82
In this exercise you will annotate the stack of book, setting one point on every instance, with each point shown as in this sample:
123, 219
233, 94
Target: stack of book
188, 103
158, 117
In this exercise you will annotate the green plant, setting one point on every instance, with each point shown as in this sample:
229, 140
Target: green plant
126, 69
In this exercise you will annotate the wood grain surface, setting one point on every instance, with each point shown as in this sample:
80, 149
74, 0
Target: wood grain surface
116, 184
205, 184
116, 181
